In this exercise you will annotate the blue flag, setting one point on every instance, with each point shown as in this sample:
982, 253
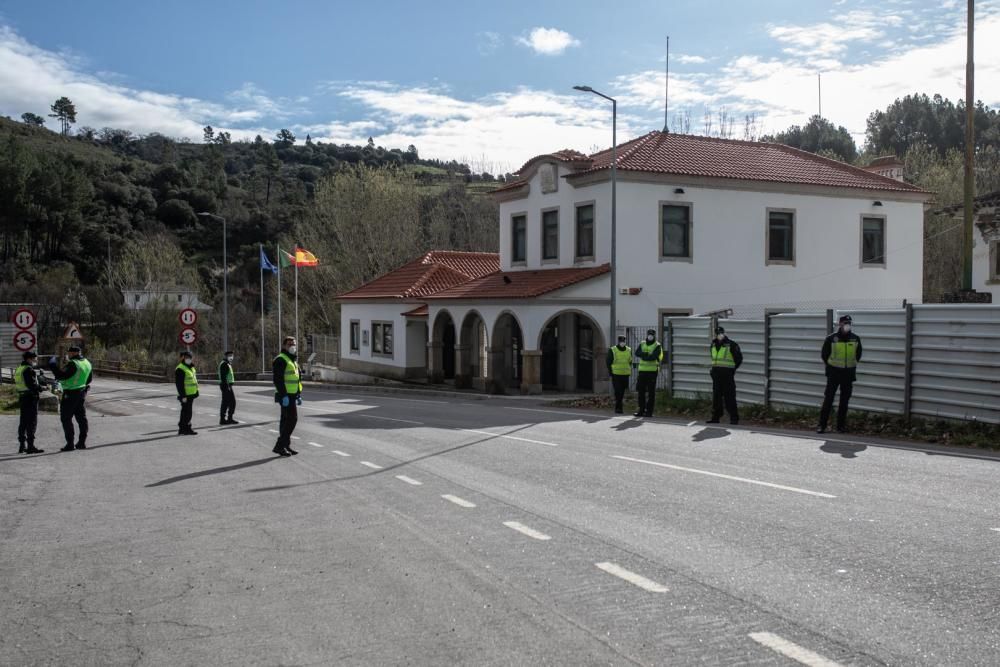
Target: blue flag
265, 263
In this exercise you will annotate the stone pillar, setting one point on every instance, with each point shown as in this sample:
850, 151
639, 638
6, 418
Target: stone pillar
463, 363
602, 382
435, 362
531, 372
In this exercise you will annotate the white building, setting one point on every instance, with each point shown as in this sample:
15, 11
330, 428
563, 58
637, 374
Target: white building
985, 243
176, 298
703, 225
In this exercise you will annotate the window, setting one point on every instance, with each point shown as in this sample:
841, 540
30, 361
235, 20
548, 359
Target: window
519, 238
780, 237
872, 241
137, 297
550, 234
178, 298
675, 231
382, 338
355, 336
585, 231
995, 261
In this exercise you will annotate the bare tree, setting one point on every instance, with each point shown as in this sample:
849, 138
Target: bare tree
751, 130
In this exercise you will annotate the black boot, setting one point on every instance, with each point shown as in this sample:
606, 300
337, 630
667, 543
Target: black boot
21, 449
33, 450
67, 448
291, 451
280, 451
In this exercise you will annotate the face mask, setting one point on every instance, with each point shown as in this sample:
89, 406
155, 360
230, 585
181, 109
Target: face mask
720, 337
292, 349
188, 361
621, 346
846, 328
229, 358
650, 339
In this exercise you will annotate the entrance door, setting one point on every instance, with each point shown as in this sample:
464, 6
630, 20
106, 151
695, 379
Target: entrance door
448, 352
550, 357
584, 355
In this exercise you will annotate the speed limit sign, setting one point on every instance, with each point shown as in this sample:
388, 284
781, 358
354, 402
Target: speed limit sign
188, 336
24, 341
23, 319
188, 317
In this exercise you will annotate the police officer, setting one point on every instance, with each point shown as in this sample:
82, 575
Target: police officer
620, 369
186, 380
841, 353
28, 390
75, 377
287, 393
726, 358
650, 355
226, 380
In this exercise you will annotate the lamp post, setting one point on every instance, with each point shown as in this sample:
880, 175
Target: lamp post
225, 282
613, 330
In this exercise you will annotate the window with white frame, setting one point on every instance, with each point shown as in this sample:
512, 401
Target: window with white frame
382, 338
585, 231
355, 336
675, 231
780, 236
550, 234
872, 240
518, 238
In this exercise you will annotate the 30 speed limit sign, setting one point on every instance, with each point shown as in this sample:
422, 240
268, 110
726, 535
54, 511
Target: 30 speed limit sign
188, 336
24, 341
23, 319
188, 317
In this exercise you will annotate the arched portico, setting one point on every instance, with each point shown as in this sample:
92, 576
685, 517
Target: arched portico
572, 350
506, 360
471, 352
441, 348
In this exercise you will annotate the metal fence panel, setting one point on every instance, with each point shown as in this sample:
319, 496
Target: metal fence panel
326, 348
749, 335
956, 362
691, 363
797, 374
634, 336
881, 383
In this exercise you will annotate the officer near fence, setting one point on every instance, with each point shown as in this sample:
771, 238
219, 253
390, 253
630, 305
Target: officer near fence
287, 393
726, 358
28, 391
226, 380
650, 356
841, 353
619, 363
186, 381
75, 378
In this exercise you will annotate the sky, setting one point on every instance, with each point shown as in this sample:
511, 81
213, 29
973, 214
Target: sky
490, 84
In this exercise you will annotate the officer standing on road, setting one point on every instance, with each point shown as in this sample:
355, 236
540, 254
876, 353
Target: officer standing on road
620, 369
726, 358
226, 380
650, 355
287, 393
186, 380
841, 353
28, 390
75, 377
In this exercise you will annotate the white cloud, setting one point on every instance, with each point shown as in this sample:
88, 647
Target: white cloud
548, 41
689, 60
832, 39
488, 42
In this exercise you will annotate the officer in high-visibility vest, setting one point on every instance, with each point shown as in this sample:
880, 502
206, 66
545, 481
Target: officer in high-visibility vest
75, 378
726, 358
650, 356
287, 393
186, 381
28, 390
620, 369
841, 353
226, 381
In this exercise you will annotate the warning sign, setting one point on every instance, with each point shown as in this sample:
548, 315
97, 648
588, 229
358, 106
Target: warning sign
72, 332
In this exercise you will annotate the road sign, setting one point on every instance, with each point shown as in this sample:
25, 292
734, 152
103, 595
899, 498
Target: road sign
24, 341
188, 336
72, 332
23, 319
188, 317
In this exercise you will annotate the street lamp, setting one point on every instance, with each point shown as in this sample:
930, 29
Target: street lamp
613, 331
225, 282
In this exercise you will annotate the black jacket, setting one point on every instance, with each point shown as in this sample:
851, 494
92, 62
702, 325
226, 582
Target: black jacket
224, 373
832, 371
734, 349
31, 379
179, 382
278, 377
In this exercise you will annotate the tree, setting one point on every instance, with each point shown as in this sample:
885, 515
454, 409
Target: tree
285, 138
64, 110
32, 119
818, 135
935, 121
209, 134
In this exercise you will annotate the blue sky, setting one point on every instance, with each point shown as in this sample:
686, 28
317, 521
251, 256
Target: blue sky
489, 83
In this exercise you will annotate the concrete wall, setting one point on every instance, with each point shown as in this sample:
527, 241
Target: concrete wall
408, 358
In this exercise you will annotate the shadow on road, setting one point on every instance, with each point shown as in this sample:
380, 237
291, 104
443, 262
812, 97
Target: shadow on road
212, 471
629, 424
847, 450
709, 433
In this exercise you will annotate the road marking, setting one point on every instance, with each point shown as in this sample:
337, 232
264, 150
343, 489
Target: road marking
509, 437
391, 419
174, 409
633, 578
458, 501
371, 465
530, 532
996, 529
730, 477
149, 405
294, 437
692, 423
409, 480
315, 444
340, 453
271, 430
791, 650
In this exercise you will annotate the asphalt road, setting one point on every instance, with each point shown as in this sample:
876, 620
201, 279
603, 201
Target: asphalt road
439, 531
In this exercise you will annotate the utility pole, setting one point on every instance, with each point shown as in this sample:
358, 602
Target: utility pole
970, 150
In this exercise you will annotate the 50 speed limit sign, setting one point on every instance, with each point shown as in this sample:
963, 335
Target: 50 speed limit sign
23, 319
188, 317
188, 336
24, 341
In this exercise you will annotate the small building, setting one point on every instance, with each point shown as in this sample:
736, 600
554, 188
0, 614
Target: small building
176, 298
889, 166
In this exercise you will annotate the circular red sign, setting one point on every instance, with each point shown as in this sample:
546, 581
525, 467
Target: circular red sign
188, 317
24, 341
23, 319
188, 336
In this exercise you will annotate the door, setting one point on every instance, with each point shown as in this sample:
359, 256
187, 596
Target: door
448, 352
584, 355
550, 357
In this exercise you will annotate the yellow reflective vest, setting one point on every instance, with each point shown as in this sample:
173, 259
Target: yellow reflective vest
621, 362
190, 379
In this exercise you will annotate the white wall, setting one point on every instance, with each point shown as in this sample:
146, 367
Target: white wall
981, 265
367, 313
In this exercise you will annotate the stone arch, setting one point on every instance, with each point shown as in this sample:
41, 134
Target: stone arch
441, 355
471, 353
572, 350
506, 353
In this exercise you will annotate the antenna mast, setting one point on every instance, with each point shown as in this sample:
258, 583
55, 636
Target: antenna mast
819, 85
666, 92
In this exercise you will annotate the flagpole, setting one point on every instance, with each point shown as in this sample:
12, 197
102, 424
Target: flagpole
261, 263
279, 297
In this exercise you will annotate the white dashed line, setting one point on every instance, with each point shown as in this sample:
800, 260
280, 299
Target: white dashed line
174, 409
149, 405
340, 453
996, 529
692, 423
530, 532
371, 465
391, 419
791, 650
295, 437
729, 477
315, 444
408, 480
271, 430
633, 578
458, 501
509, 437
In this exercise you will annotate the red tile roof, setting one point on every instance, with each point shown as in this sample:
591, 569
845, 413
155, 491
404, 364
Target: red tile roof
420, 311
520, 284
435, 271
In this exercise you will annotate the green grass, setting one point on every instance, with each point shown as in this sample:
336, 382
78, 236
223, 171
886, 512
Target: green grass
8, 400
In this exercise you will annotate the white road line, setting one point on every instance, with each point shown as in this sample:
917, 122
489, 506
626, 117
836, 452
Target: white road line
692, 423
509, 437
730, 477
295, 437
340, 453
391, 419
149, 405
996, 529
371, 465
174, 409
409, 480
791, 650
633, 578
458, 501
271, 430
315, 444
530, 532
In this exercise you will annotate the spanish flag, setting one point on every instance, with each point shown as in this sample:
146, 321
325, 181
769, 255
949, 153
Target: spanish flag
305, 258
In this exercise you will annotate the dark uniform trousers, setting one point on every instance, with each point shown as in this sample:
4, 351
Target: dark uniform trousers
289, 418
72, 407
842, 380
187, 407
620, 385
645, 387
29, 418
724, 393
228, 401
